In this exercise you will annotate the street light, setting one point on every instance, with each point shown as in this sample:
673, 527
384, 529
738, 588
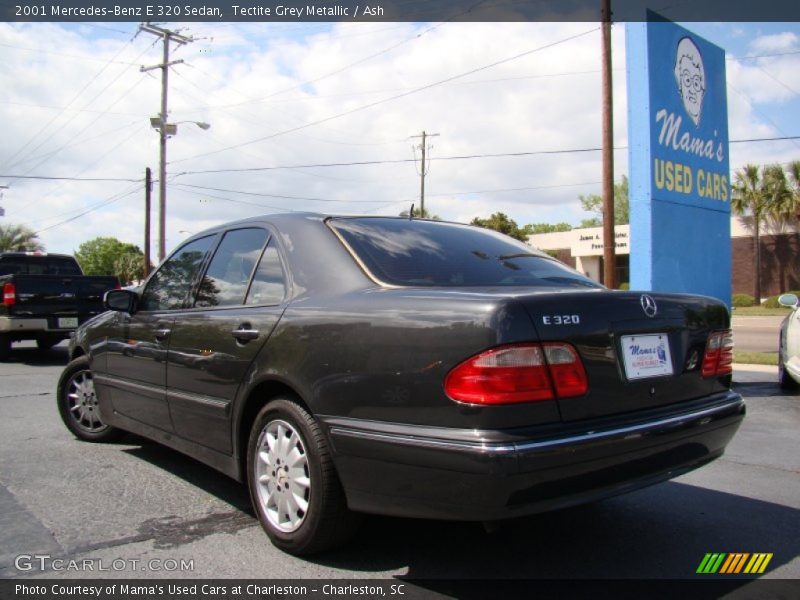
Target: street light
165, 130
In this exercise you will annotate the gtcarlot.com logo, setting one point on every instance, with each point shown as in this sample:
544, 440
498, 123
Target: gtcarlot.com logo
734, 563
45, 562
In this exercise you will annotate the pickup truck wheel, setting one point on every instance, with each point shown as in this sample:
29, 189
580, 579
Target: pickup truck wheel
293, 483
5, 346
77, 404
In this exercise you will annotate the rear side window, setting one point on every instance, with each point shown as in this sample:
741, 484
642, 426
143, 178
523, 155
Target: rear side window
225, 282
168, 288
427, 253
39, 266
269, 283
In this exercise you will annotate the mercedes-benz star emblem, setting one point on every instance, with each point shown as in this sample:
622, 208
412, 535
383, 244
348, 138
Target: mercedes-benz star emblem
649, 305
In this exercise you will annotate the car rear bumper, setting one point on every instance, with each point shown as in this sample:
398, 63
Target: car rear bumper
416, 471
32, 327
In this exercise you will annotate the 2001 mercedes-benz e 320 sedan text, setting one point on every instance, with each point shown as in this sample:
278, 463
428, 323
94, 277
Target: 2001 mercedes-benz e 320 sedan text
405, 367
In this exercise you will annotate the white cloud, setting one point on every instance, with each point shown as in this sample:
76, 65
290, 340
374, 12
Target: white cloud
776, 42
246, 83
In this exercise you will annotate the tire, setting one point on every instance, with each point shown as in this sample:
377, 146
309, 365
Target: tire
5, 346
784, 379
77, 404
294, 488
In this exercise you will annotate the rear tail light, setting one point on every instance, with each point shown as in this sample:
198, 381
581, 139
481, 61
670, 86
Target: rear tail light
718, 357
518, 373
9, 294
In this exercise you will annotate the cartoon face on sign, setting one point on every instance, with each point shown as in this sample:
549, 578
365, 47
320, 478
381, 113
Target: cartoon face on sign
690, 76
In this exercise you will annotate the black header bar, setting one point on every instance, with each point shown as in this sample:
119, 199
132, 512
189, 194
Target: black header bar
265, 11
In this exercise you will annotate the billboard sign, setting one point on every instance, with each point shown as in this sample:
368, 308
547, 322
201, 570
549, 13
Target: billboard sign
679, 179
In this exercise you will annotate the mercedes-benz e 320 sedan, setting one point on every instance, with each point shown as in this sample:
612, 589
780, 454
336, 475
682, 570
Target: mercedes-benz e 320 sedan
344, 365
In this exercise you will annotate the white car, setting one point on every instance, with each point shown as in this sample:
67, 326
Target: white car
789, 347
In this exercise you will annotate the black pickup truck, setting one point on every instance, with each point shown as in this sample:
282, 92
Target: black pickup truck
45, 297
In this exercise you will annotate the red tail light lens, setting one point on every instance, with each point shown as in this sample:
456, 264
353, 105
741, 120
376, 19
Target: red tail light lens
566, 369
718, 357
518, 373
9, 294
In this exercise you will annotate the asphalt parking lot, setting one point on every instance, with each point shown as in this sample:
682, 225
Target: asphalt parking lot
134, 502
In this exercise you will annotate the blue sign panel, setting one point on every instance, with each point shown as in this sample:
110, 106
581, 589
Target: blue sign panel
678, 157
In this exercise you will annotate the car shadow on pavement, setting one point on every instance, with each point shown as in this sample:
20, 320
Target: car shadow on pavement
660, 532
191, 471
31, 355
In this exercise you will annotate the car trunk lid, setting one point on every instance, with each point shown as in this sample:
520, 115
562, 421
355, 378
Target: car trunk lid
640, 351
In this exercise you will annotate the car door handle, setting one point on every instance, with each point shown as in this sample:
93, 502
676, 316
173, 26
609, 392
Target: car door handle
161, 334
245, 335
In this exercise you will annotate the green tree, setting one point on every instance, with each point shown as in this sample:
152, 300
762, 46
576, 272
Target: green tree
534, 228
18, 238
760, 195
791, 206
594, 203
129, 267
100, 256
502, 223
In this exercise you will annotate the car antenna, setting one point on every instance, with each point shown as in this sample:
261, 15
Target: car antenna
411, 212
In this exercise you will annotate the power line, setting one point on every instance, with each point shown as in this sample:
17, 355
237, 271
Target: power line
395, 97
78, 110
295, 99
70, 103
357, 62
266, 195
62, 55
754, 56
101, 135
111, 200
55, 178
369, 162
50, 155
477, 82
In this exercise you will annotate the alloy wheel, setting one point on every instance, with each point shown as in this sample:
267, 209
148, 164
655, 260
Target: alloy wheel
82, 403
282, 476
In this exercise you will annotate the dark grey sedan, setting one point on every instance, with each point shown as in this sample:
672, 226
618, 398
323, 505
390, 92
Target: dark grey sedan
345, 365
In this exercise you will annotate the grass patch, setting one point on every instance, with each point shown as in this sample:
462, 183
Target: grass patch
755, 358
760, 311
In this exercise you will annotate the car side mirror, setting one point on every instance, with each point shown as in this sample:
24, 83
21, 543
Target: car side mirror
121, 301
789, 300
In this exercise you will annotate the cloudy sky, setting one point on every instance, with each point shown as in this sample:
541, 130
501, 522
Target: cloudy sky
288, 98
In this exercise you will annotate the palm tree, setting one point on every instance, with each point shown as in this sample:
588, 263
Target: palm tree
792, 207
18, 238
755, 193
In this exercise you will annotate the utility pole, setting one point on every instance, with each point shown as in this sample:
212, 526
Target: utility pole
609, 241
148, 191
423, 169
160, 123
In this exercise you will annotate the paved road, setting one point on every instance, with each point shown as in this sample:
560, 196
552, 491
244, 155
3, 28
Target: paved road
756, 334
135, 500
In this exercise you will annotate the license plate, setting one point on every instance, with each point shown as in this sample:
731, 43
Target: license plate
67, 322
646, 355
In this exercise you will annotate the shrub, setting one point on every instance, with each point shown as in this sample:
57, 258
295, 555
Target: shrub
743, 300
624, 285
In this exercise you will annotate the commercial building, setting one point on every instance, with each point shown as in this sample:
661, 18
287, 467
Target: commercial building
582, 249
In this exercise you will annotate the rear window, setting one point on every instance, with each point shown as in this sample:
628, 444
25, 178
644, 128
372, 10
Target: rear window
38, 265
428, 253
